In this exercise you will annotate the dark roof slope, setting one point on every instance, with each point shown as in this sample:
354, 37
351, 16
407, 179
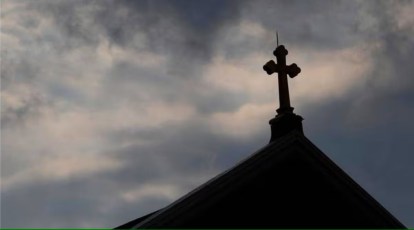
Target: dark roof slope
132, 223
289, 183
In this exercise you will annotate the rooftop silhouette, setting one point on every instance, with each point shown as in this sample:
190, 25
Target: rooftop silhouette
289, 183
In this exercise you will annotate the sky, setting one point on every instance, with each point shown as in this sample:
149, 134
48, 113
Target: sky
114, 109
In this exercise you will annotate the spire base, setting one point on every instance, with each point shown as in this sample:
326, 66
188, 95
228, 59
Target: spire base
284, 123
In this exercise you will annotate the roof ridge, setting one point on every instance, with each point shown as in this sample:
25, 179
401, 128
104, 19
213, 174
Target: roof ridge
250, 167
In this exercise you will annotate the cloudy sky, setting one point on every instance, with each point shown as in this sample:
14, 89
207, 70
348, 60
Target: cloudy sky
113, 109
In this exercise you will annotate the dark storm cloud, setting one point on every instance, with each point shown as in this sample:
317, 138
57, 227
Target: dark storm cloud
367, 132
312, 24
184, 31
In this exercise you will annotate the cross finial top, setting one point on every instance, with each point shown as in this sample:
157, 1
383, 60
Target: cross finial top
283, 70
277, 39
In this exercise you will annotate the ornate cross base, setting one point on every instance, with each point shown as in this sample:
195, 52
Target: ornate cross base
285, 123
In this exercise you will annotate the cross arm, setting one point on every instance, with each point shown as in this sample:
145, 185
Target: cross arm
271, 67
293, 70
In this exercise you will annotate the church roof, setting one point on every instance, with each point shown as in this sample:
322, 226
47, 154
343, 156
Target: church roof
289, 183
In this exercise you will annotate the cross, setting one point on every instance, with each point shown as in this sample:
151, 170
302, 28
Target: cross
283, 70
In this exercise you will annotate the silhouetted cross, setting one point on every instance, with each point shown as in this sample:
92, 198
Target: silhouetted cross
283, 70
